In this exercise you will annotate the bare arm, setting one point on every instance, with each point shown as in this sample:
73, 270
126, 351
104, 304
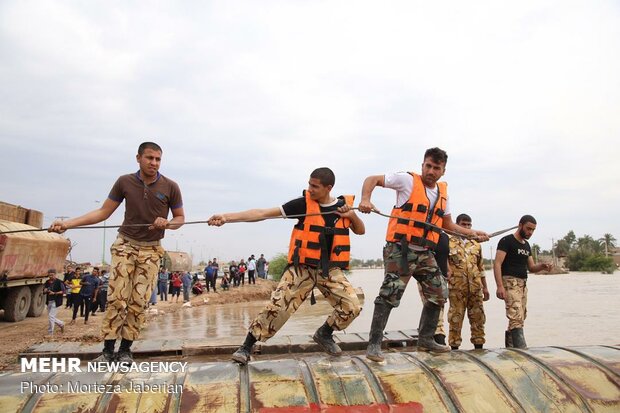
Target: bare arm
497, 272
251, 215
369, 185
452, 226
177, 221
485, 290
536, 267
92, 217
357, 225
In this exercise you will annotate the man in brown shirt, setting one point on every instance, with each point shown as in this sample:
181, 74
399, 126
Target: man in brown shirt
137, 251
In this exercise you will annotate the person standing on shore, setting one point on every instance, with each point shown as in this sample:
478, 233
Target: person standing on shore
216, 268
76, 287
513, 259
422, 209
210, 277
186, 279
261, 263
251, 269
319, 251
136, 253
69, 275
88, 288
53, 290
242, 270
467, 288
162, 284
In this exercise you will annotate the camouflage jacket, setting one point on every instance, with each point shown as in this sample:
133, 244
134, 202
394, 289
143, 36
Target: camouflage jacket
465, 257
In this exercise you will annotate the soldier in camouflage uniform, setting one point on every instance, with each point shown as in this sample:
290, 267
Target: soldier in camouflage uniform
468, 288
318, 254
422, 209
137, 252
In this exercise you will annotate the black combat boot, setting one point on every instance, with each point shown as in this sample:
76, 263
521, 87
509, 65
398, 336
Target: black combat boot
478, 346
107, 355
242, 355
518, 339
324, 338
379, 320
124, 355
508, 338
428, 325
440, 339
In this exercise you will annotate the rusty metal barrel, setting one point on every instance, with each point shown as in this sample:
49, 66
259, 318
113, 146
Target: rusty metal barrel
546, 379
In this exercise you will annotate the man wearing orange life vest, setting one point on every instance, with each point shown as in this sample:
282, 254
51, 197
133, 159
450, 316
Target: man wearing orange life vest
319, 251
422, 210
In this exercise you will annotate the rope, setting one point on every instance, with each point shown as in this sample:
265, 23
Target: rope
449, 232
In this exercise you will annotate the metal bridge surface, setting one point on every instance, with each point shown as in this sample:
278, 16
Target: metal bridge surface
545, 379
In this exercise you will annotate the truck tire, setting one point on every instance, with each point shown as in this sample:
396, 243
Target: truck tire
17, 303
37, 302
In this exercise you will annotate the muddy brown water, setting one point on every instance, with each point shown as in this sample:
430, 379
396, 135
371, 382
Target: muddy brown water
569, 309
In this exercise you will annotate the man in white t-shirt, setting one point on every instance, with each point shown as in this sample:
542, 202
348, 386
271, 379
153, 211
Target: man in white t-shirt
251, 269
422, 209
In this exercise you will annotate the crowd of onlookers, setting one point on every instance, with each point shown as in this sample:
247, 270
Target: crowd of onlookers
172, 283
234, 275
87, 292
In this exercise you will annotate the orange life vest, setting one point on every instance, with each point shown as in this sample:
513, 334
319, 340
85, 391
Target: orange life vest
411, 226
309, 244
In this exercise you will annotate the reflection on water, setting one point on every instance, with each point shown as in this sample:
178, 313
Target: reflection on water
571, 309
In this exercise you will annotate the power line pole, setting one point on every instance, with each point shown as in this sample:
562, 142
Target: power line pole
103, 244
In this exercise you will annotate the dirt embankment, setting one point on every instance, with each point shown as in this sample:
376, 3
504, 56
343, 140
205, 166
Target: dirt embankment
17, 337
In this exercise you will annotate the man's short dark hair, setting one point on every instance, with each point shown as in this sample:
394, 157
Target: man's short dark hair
437, 155
148, 145
527, 218
325, 175
463, 217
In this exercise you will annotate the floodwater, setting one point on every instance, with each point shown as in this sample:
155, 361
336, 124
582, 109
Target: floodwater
563, 310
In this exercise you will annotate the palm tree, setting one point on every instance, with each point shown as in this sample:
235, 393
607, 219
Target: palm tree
609, 241
586, 244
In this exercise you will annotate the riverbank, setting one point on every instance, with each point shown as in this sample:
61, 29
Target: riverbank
17, 337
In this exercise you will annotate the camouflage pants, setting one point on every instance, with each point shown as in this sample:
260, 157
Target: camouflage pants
294, 287
421, 266
440, 328
466, 295
515, 300
133, 276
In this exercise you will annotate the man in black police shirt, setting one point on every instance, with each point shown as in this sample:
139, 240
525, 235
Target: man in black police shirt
512, 262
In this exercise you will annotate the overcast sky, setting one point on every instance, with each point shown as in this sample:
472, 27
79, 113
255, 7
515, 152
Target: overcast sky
247, 98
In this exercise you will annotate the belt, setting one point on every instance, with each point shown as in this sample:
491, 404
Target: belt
139, 243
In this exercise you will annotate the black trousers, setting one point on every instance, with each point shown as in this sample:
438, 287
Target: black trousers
81, 302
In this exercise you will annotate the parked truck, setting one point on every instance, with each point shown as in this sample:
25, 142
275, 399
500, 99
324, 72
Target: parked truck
177, 261
25, 258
